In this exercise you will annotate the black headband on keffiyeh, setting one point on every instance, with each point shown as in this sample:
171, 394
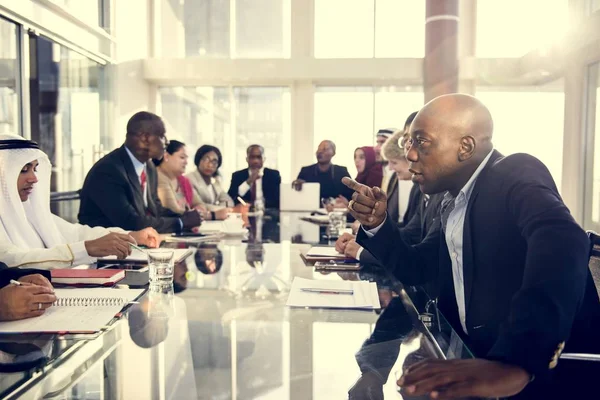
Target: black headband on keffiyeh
385, 132
11, 144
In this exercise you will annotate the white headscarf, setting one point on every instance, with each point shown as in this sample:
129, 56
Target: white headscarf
25, 223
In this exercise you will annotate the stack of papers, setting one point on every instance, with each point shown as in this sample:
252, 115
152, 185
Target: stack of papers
211, 227
137, 256
324, 251
333, 294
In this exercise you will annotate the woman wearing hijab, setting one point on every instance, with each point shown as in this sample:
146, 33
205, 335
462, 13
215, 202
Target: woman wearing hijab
370, 172
30, 235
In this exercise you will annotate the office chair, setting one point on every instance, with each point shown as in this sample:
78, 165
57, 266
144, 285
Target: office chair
594, 266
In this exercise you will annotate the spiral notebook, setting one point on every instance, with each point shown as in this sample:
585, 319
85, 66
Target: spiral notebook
76, 311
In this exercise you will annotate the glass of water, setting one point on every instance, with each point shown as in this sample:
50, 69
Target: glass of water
337, 222
160, 264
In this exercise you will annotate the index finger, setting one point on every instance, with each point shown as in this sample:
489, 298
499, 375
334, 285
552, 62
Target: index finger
357, 187
126, 237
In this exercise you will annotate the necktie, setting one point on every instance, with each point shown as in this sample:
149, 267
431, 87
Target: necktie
447, 208
143, 181
253, 192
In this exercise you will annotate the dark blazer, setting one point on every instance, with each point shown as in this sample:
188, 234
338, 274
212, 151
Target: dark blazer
525, 264
6, 274
112, 196
415, 200
393, 208
416, 230
333, 186
271, 181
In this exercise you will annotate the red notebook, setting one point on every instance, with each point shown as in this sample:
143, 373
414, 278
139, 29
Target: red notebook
87, 276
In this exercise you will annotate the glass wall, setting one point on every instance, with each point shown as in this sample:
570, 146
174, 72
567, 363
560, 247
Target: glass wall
90, 11
231, 118
9, 78
592, 192
504, 28
225, 28
369, 28
350, 116
66, 111
529, 120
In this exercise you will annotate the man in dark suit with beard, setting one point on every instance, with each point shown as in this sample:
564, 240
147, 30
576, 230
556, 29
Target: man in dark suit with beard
509, 261
120, 189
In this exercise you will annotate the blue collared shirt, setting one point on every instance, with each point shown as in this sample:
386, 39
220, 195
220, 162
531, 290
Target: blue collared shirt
454, 237
139, 168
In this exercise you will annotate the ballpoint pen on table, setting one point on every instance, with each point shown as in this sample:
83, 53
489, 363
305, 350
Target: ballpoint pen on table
137, 248
328, 291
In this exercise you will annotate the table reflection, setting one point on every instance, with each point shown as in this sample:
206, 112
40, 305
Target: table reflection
222, 331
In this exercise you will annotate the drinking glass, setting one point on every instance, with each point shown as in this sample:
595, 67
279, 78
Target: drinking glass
337, 222
160, 264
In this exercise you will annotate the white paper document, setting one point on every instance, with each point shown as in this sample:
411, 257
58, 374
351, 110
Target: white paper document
79, 310
326, 294
211, 227
324, 251
136, 255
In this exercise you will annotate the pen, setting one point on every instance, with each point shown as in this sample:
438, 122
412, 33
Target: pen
343, 261
325, 291
137, 247
12, 281
242, 201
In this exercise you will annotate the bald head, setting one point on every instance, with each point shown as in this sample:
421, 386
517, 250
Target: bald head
325, 152
451, 136
459, 115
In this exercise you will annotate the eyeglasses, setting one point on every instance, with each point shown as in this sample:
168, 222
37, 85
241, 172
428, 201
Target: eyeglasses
210, 161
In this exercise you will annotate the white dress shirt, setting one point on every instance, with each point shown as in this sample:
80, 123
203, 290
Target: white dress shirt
139, 167
244, 187
454, 237
404, 188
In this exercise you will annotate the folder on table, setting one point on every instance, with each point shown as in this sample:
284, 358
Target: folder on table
333, 294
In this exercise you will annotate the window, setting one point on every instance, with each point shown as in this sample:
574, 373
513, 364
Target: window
225, 28
593, 6
529, 120
350, 116
592, 207
90, 11
504, 28
367, 28
9, 78
67, 116
231, 119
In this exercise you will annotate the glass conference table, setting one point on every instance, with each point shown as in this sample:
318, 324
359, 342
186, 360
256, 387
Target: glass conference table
223, 331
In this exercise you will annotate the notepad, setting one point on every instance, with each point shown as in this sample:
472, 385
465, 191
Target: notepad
364, 294
139, 257
324, 251
76, 311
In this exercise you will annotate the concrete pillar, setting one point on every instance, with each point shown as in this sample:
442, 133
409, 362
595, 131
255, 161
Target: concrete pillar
440, 66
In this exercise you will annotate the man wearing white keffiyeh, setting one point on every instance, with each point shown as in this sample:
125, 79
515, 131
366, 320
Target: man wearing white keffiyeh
30, 235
